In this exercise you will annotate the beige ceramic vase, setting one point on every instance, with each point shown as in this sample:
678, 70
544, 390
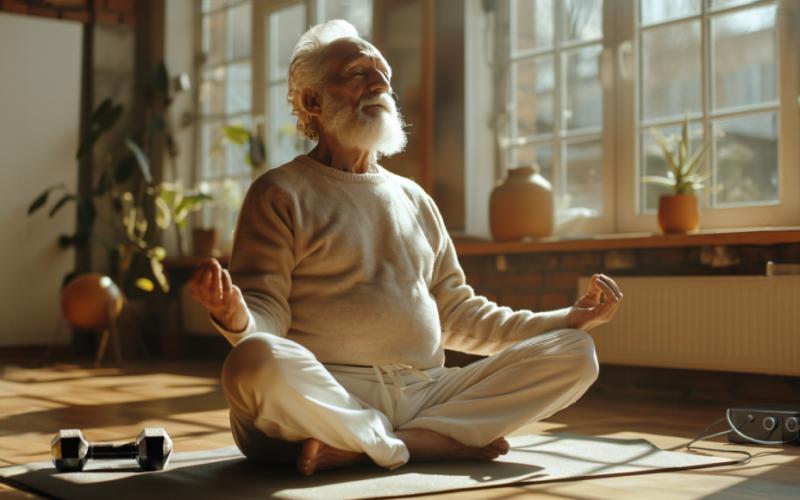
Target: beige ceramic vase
678, 213
522, 205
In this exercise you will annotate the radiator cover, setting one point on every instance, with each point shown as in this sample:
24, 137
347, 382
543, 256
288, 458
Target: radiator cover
740, 324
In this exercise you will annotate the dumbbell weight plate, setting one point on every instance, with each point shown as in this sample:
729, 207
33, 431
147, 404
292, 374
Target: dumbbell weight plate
155, 448
69, 449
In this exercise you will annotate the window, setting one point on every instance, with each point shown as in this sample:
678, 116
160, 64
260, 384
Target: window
286, 25
586, 79
719, 62
246, 49
225, 99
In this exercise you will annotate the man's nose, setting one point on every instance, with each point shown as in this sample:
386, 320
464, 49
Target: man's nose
379, 82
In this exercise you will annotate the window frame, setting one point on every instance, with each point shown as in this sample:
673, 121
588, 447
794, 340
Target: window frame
561, 136
621, 123
786, 212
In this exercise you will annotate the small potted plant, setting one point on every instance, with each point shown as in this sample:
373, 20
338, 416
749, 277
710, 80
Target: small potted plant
680, 212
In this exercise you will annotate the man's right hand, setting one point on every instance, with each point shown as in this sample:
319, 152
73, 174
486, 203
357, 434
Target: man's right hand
212, 286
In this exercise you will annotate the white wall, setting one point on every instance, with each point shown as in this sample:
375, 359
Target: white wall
40, 63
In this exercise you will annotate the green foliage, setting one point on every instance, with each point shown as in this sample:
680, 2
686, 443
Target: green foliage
141, 159
129, 224
683, 176
103, 119
255, 152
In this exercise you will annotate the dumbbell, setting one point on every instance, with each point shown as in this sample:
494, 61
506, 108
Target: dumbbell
71, 451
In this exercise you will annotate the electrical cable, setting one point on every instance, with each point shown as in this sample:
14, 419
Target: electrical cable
734, 429
702, 435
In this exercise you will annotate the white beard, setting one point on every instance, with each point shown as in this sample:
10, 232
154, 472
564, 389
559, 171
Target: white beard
381, 133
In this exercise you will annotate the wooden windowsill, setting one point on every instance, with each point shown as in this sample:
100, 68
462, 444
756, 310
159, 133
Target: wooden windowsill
756, 236
466, 245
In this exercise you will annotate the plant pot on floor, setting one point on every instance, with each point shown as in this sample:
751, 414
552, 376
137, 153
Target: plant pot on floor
678, 213
205, 241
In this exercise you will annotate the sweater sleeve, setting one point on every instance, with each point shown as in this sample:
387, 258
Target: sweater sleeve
474, 324
262, 260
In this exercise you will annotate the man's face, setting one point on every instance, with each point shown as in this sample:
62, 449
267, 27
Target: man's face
356, 71
356, 107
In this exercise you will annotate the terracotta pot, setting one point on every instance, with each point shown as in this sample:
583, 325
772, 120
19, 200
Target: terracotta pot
678, 213
522, 205
90, 300
205, 241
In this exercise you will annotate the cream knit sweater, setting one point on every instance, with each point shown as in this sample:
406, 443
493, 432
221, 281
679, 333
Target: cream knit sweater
360, 270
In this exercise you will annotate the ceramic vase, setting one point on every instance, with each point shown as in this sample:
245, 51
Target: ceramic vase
678, 213
521, 205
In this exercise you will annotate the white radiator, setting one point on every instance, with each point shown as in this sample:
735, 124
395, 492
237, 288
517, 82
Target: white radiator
741, 324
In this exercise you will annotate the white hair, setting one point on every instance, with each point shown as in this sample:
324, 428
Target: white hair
307, 69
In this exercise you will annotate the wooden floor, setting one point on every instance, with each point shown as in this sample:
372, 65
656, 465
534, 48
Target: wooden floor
186, 399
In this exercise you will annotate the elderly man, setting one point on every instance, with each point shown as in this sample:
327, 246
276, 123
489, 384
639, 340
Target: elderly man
344, 289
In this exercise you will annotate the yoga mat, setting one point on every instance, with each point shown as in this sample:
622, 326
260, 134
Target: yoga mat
224, 473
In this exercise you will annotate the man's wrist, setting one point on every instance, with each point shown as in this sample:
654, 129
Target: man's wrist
230, 324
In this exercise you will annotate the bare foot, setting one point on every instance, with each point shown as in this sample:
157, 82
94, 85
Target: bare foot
317, 455
424, 444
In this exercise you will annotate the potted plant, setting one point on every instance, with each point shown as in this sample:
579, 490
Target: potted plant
679, 212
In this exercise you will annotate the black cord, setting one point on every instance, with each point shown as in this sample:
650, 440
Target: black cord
702, 435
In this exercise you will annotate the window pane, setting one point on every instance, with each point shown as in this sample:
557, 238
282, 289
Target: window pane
238, 95
671, 67
657, 11
654, 163
534, 24
747, 159
284, 142
716, 4
239, 32
535, 85
356, 12
745, 58
212, 159
541, 155
286, 28
212, 91
583, 191
236, 154
583, 20
583, 103
209, 5
214, 38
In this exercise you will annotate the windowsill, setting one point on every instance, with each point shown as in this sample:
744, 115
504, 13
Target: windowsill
470, 245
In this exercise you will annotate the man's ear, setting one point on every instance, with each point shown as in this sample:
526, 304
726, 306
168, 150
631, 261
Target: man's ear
312, 102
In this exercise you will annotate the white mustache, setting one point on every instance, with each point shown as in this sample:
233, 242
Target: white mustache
378, 100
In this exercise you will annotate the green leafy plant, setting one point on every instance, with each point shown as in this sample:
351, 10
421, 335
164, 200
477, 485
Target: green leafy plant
683, 176
249, 140
126, 184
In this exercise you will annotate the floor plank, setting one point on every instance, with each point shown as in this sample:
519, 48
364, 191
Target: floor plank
186, 399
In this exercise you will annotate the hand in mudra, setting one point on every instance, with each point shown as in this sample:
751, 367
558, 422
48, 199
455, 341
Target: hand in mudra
597, 306
212, 286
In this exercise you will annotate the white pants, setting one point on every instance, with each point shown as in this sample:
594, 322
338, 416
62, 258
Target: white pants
280, 394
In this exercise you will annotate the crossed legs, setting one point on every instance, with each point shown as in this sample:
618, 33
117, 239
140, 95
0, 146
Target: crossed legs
286, 406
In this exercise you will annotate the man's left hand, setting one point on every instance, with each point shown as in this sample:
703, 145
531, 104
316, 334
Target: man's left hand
597, 306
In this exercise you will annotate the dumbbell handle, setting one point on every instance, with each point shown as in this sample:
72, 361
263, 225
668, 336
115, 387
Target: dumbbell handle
108, 450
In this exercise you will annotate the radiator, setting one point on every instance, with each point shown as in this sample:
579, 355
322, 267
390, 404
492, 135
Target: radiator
741, 324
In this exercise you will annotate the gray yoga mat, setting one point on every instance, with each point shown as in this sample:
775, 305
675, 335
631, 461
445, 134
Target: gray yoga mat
224, 473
